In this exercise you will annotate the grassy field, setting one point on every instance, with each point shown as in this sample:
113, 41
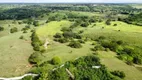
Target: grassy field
128, 33
48, 30
14, 54
65, 52
138, 6
109, 59
8, 24
58, 49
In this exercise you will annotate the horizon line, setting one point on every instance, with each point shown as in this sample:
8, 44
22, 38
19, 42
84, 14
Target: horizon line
78, 2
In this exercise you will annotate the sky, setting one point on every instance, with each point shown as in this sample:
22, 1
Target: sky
74, 1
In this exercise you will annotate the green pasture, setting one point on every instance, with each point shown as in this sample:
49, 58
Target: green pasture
14, 54
113, 63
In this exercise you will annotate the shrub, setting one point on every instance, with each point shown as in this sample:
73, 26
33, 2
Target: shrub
20, 22
122, 57
75, 44
94, 24
77, 36
109, 44
81, 31
98, 48
56, 60
47, 21
42, 49
108, 22
128, 50
94, 43
102, 37
26, 28
66, 29
27, 78
107, 49
81, 41
36, 43
68, 34
129, 63
58, 35
85, 24
36, 23
62, 40
120, 42
92, 20
1, 28
35, 58
21, 37
36, 47
13, 30
25, 31
137, 60
120, 74
115, 25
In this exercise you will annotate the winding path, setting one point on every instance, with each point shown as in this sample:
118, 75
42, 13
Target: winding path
20, 77
46, 43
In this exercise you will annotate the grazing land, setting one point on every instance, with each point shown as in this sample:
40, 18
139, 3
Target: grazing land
71, 41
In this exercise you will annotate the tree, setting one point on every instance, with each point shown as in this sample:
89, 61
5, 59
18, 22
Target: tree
56, 60
108, 22
36, 43
13, 30
1, 28
115, 25
36, 23
137, 60
35, 58
85, 24
58, 35
75, 44
120, 74
63, 40
21, 37
66, 29
68, 34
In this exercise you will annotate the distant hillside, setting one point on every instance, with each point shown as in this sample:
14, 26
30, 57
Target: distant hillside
22, 13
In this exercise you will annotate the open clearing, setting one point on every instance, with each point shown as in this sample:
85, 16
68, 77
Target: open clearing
128, 33
65, 52
131, 34
48, 30
109, 59
14, 54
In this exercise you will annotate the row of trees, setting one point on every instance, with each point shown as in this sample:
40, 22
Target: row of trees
38, 47
37, 43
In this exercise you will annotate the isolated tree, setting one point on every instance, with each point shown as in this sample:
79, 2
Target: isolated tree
36, 23
13, 30
75, 44
108, 22
1, 28
56, 60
